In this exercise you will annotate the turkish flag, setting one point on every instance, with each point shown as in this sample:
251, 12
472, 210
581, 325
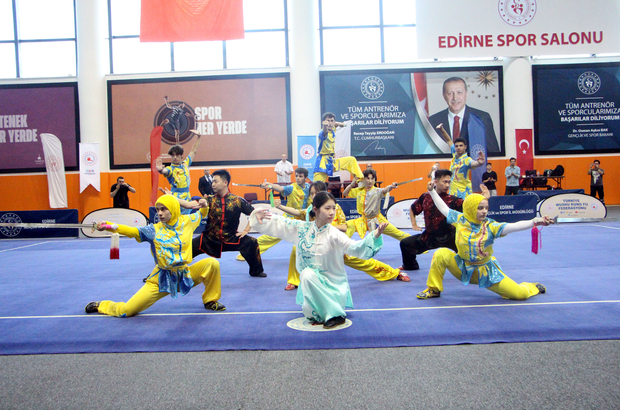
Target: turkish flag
155, 140
525, 157
191, 20
419, 80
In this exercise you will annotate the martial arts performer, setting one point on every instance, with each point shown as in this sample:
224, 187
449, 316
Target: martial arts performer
437, 232
474, 262
368, 205
171, 241
461, 165
324, 289
296, 197
220, 234
372, 267
326, 164
178, 171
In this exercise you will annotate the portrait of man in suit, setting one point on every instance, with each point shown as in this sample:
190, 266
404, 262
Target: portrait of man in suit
457, 116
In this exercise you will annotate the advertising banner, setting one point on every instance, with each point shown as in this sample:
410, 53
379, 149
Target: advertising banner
55, 167
90, 166
576, 108
573, 206
59, 216
492, 28
242, 119
512, 208
395, 114
27, 111
306, 153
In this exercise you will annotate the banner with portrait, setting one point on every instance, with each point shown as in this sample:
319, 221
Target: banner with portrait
242, 119
576, 108
29, 110
394, 113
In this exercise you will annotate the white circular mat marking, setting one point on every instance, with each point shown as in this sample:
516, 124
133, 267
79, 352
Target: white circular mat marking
304, 325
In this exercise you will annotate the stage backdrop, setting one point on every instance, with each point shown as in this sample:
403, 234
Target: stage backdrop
393, 112
243, 119
29, 110
576, 108
491, 28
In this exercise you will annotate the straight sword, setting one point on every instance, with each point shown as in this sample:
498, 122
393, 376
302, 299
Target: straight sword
387, 196
42, 225
406, 182
252, 185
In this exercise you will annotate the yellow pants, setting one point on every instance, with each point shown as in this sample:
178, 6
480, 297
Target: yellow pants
264, 242
345, 163
389, 230
205, 271
507, 288
372, 267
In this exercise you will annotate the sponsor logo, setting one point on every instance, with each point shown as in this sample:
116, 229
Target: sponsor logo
517, 12
53, 163
589, 83
372, 87
476, 150
306, 151
10, 218
89, 158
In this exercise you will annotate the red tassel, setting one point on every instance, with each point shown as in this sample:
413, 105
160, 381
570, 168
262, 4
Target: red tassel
536, 240
115, 251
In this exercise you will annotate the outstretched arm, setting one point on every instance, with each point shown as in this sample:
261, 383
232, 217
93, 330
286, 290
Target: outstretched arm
479, 161
388, 188
444, 134
274, 187
528, 224
439, 203
159, 165
192, 152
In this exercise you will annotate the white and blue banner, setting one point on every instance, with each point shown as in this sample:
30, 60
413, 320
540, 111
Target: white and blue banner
306, 153
576, 108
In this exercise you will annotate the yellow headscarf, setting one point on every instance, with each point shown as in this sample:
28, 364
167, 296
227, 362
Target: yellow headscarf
173, 206
470, 207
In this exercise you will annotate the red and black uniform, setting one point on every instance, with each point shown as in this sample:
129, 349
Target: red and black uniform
438, 233
220, 234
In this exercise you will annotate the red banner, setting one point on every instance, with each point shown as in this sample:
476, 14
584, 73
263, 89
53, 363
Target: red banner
155, 150
191, 20
525, 157
419, 80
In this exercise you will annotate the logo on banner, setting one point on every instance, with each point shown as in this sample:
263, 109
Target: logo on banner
53, 162
39, 161
589, 83
306, 151
517, 12
10, 218
89, 158
476, 150
372, 87
181, 121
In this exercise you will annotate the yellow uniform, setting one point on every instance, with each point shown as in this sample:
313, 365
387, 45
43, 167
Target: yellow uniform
368, 203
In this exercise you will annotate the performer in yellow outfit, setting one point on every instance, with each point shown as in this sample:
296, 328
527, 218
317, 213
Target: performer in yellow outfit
326, 164
368, 205
296, 197
474, 263
171, 246
372, 267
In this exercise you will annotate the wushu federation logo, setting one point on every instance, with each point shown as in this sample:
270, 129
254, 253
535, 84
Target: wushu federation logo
372, 87
517, 12
11, 218
306, 151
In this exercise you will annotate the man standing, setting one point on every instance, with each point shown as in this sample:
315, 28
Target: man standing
513, 173
596, 180
118, 192
204, 183
438, 233
284, 169
489, 179
326, 164
457, 115
220, 234
460, 166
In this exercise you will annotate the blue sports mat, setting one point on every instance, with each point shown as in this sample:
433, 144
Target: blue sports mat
47, 283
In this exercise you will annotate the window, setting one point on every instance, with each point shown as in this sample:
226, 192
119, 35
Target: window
37, 38
367, 31
265, 43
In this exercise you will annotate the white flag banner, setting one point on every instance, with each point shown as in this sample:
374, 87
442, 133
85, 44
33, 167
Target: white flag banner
90, 166
343, 147
55, 166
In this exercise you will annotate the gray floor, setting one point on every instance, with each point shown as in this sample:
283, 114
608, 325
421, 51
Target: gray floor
566, 375
560, 375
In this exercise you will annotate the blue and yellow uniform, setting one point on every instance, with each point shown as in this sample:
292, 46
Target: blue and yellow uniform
171, 247
326, 164
460, 186
178, 177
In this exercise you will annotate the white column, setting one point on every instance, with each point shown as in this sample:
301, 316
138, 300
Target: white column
518, 100
93, 64
304, 62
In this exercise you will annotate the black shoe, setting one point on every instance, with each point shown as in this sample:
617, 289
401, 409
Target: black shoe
217, 306
335, 321
92, 307
260, 275
541, 288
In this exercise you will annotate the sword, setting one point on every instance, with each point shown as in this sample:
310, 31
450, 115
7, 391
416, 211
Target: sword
42, 225
406, 182
252, 185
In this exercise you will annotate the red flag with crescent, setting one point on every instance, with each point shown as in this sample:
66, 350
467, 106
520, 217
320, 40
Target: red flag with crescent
419, 80
525, 156
155, 152
191, 20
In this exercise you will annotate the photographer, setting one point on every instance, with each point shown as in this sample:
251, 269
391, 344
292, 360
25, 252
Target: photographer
119, 191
